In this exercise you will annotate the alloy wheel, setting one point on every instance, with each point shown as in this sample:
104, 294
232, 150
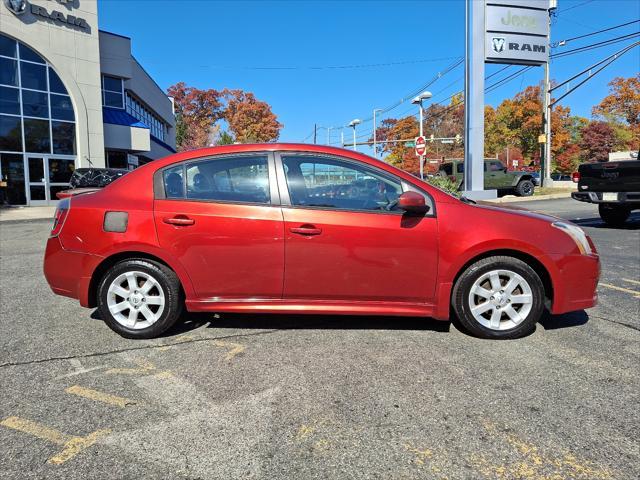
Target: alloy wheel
500, 299
135, 300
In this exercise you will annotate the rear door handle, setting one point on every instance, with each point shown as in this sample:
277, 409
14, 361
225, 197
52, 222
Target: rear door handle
306, 230
180, 220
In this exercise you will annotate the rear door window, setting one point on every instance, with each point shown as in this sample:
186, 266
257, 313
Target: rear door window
242, 179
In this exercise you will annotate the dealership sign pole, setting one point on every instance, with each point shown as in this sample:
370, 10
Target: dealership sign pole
512, 32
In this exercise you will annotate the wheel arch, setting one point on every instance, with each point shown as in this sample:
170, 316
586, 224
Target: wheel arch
117, 257
530, 260
524, 177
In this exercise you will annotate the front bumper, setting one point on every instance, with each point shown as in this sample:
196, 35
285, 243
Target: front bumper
69, 273
575, 282
627, 198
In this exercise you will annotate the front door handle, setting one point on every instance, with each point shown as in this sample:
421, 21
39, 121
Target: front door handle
179, 220
306, 230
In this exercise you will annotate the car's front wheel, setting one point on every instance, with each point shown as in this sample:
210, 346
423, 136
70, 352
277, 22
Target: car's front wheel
499, 297
139, 298
525, 188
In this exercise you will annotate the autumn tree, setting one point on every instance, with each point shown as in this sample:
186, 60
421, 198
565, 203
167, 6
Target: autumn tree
250, 120
197, 112
623, 102
382, 133
598, 139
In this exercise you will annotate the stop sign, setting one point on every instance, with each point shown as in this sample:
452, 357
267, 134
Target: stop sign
421, 146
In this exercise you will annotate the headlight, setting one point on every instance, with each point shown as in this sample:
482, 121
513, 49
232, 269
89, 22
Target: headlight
577, 234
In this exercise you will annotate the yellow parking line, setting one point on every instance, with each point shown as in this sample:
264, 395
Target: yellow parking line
99, 396
76, 445
636, 293
631, 281
35, 429
145, 368
235, 348
71, 445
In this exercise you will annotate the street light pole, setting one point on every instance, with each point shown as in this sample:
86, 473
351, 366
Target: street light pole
375, 150
329, 135
418, 101
353, 124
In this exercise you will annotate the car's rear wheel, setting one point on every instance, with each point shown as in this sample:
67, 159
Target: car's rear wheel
525, 188
499, 297
139, 298
613, 215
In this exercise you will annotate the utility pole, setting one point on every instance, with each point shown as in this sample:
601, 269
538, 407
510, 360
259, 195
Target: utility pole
418, 101
375, 137
329, 135
474, 102
545, 172
315, 133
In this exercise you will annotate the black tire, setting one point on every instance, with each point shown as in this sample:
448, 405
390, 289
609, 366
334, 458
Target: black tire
169, 283
462, 289
613, 215
525, 188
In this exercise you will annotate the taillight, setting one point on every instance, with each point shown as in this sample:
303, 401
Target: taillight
575, 176
60, 216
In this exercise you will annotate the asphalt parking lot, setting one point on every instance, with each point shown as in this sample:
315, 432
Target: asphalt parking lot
235, 396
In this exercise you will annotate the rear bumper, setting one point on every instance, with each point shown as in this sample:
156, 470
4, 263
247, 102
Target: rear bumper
69, 273
575, 283
631, 199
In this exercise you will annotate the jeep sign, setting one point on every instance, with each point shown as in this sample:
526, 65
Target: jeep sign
517, 20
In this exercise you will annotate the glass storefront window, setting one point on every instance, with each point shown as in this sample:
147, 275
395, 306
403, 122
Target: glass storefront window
37, 124
10, 100
12, 168
10, 134
7, 46
36, 170
61, 107
35, 104
55, 84
36, 136
33, 76
8, 72
60, 170
64, 138
27, 54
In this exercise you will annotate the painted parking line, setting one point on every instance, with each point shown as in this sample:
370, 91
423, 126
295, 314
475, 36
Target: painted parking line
99, 396
636, 282
635, 293
72, 445
234, 348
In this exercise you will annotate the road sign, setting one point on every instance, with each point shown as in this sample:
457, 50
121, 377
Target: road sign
410, 144
421, 146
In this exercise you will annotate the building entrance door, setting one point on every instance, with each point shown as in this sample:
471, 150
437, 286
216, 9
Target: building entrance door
12, 185
48, 174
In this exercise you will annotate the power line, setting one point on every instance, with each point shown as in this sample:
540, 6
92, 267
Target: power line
567, 40
604, 43
607, 61
575, 6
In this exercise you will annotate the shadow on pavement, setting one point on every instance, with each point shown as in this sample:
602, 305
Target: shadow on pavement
633, 223
567, 320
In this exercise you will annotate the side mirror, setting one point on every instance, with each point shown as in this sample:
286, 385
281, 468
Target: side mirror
412, 202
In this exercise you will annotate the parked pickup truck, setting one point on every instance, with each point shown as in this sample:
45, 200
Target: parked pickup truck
496, 176
614, 186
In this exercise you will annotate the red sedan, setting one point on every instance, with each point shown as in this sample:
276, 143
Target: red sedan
283, 228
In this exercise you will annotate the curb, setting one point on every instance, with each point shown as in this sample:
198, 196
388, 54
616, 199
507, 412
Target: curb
15, 221
533, 198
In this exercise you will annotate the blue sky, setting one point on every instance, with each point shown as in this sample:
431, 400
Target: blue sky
221, 44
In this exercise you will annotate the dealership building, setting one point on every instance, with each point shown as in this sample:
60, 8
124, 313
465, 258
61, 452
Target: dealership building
71, 96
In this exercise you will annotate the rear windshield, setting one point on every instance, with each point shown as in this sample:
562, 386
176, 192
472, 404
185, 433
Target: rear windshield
95, 177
